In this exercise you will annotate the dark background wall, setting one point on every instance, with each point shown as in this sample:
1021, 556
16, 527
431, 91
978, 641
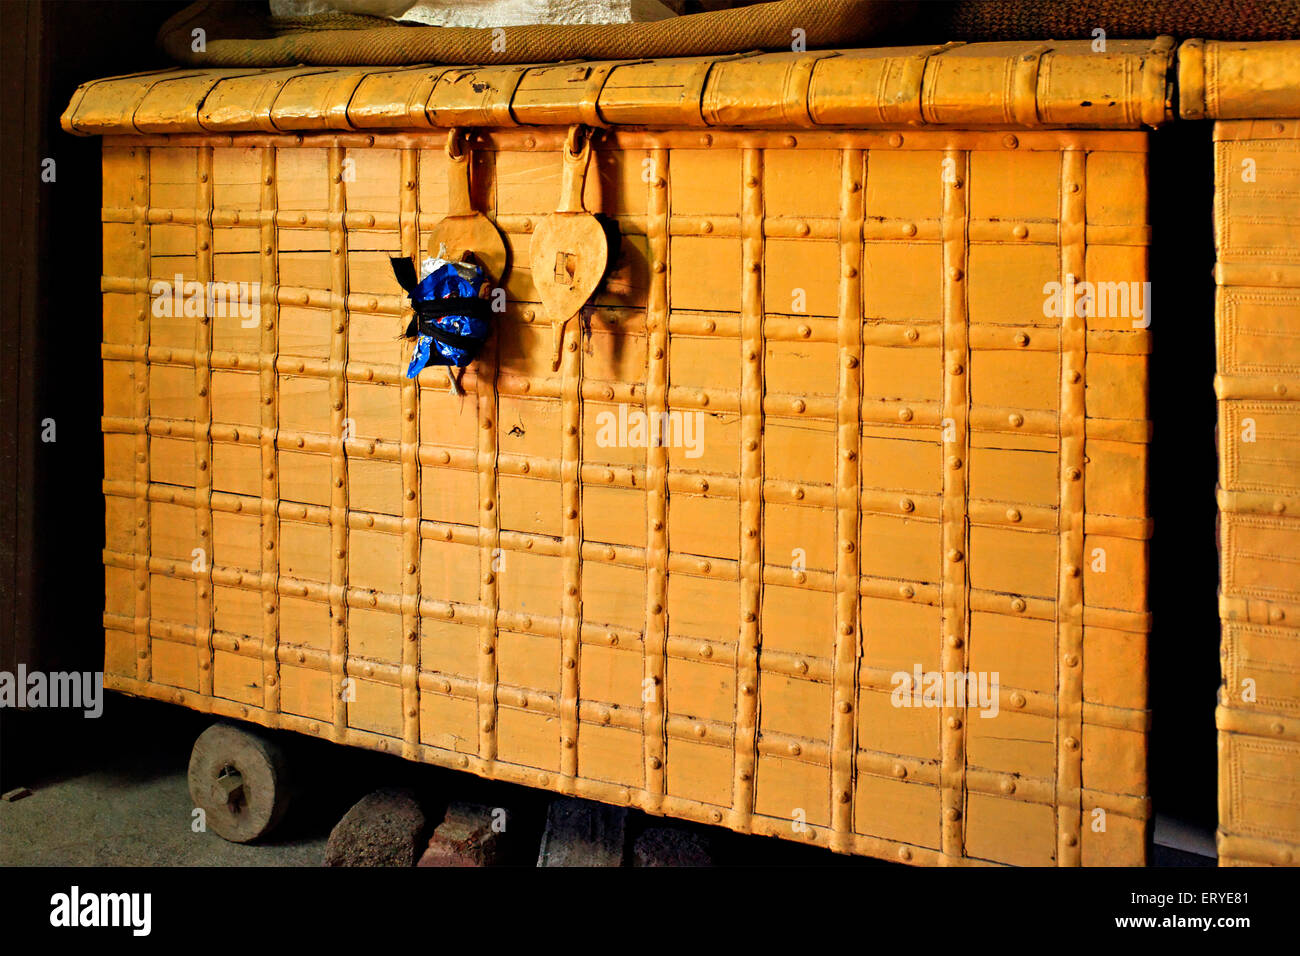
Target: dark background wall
1184, 654
51, 507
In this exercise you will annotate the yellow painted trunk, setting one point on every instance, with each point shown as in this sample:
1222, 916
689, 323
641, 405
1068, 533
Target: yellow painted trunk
898, 377
1257, 208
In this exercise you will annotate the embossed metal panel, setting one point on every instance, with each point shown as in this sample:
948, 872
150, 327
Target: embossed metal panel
1257, 208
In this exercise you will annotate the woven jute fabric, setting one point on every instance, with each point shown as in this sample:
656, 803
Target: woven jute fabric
235, 36
1077, 19
238, 34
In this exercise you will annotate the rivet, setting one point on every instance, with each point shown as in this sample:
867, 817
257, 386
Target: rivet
1016, 419
904, 854
954, 555
1020, 232
1070, 839
751, 181
700, 730
954, 273
1010, 142
1073, 187
906, 504
706, 226
793, 749
1017, 700
1074, 474
799, 405
850, 272
954, 640
952, 814
908, 229
655, 763
1071, 743
1018, 605
907, 591
1013, 514
844, 707
1072, 570
895, 139
957, 369
790, 141
954, 463
1071, 660
905, 414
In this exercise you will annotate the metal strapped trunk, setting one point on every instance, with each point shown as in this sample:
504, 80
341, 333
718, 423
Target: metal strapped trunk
1257, 208
891, 445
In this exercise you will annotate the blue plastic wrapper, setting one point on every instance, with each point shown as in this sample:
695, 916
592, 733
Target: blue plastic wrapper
448, 279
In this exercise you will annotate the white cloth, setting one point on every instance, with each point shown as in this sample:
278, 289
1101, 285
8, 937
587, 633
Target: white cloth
483, 13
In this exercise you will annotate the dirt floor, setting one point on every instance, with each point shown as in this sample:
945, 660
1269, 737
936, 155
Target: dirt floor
113, 792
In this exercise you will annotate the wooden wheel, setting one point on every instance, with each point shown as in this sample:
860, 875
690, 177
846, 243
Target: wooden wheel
240, 781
